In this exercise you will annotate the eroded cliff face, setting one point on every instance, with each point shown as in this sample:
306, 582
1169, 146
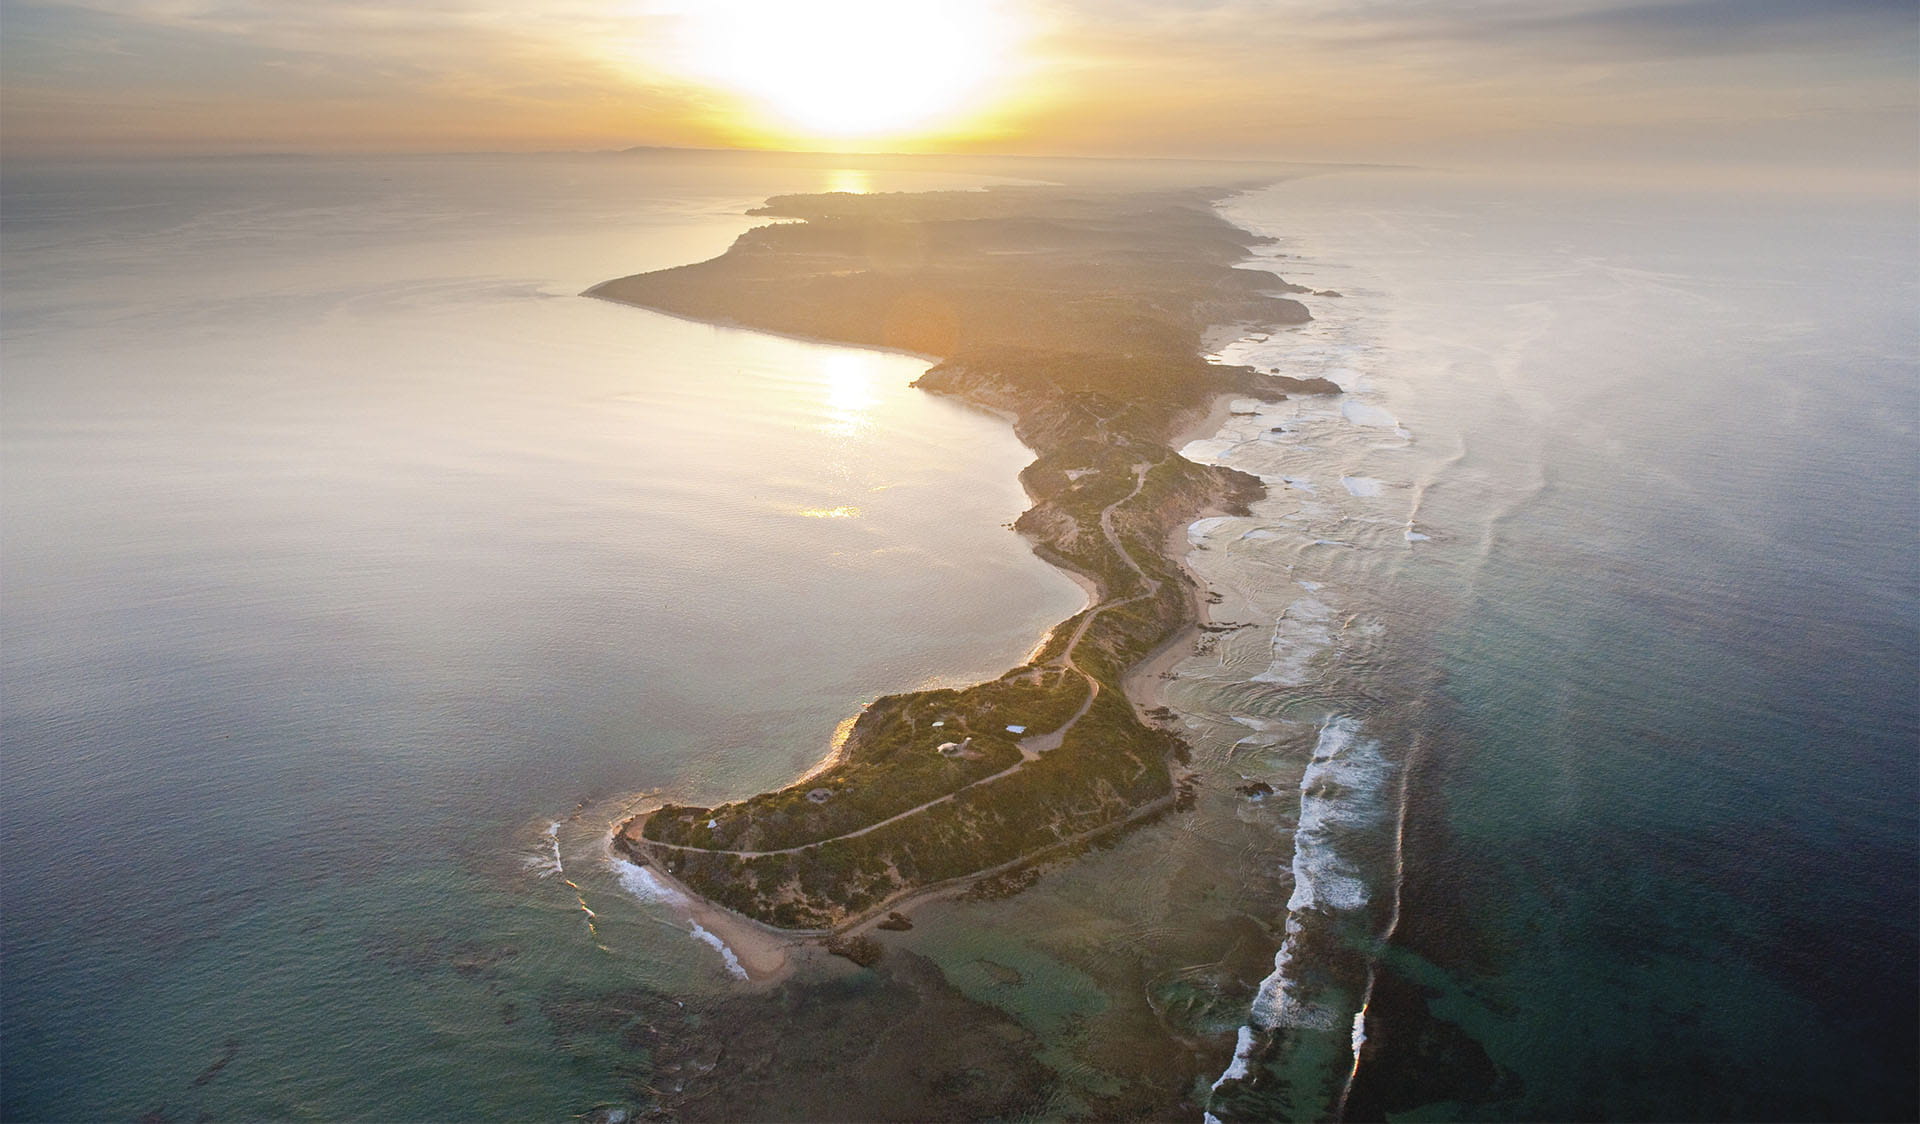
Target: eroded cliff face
1078, 318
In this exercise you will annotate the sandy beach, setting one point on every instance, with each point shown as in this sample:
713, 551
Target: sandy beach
1145, 682
763, 954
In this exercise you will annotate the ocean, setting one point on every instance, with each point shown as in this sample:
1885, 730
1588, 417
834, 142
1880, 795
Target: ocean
357, 573
1596, 606
1555, 740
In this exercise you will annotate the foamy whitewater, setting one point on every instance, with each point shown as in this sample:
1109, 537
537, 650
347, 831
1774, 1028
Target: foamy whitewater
646, 887
643, 884
1347, 797
726, 954
1582, 549
1283, 565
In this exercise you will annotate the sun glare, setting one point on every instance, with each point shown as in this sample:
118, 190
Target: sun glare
853, 68
853, 181
846, 379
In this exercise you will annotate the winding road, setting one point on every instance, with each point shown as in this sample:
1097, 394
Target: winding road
1030, 748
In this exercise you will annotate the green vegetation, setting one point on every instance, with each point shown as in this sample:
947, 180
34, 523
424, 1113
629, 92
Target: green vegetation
1079, 316
890, 763
1109, 767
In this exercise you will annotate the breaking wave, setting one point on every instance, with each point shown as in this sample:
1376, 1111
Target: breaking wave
1344, 790
645, 885
1348, 806
734, 967
549, 864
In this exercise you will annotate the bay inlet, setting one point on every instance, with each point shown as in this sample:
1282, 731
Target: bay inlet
347, 551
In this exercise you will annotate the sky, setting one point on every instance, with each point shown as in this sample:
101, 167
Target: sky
1815, 87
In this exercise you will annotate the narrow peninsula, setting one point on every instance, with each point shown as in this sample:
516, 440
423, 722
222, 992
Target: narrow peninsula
1080, 316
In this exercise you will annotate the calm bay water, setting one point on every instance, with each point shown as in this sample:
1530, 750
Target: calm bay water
357, 574
347, 548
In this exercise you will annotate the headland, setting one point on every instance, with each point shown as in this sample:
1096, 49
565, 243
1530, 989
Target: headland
1081, 317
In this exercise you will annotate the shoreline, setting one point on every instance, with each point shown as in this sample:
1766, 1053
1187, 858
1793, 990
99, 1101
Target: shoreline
729, 325
836, 752
765, 951
764, 954
1145, 682
1086, 584
1090, 438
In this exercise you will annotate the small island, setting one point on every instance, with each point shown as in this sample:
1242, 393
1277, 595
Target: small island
1081, 316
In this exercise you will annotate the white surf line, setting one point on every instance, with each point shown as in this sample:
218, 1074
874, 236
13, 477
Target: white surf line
1359, 1039
559, 869
644, 886
1359, 411
1242, 1056
734, 968
1325, 885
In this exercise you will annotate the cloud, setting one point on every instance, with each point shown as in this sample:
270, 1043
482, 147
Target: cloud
1639, 31
1342, 79
180, 71
422, 41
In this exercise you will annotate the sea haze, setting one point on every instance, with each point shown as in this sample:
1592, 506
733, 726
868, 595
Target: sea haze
1609, 552
347, 548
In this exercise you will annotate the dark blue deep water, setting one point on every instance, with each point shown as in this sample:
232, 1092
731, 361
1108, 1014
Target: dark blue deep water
1662, 855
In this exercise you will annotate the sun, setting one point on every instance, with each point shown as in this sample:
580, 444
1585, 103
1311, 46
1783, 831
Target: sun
853, 68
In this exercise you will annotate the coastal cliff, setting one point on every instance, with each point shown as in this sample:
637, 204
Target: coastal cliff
1079, 317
